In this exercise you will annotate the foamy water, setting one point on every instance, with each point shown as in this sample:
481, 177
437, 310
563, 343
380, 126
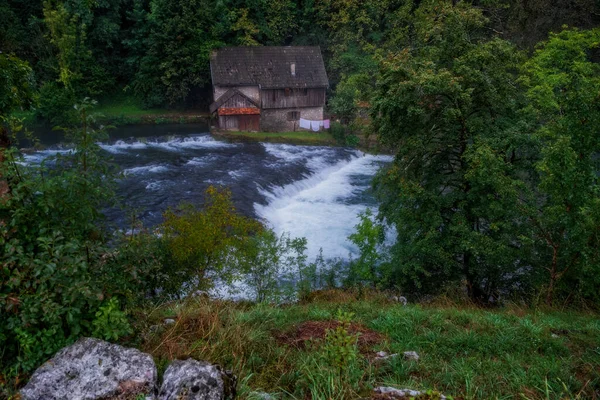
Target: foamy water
323, 206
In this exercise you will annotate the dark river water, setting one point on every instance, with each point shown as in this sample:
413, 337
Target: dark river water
310, 191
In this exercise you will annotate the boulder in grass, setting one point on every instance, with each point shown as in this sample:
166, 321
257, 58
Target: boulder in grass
93, 369
196, 380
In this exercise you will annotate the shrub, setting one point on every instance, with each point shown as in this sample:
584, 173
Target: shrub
200, 242
56, 105
369, 237
53, 287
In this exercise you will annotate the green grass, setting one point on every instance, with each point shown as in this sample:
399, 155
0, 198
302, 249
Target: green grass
123, 110
127, 106
299, 137
467, 353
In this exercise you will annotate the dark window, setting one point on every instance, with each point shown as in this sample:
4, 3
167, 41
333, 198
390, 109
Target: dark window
293, 115
287, 92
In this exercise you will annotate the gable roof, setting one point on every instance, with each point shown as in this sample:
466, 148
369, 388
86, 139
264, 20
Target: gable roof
269, 67
226, 96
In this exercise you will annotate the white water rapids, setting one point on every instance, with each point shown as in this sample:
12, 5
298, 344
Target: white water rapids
315, 192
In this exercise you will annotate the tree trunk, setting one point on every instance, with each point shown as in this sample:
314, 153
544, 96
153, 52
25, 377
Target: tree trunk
553, 277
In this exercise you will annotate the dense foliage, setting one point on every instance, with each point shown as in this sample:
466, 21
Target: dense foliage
495, 179
54, 284
159, 49
493, 192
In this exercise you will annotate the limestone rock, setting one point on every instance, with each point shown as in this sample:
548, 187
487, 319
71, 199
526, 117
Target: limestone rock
411, 355
194, 380
400, 393
399, 299
260, 396
93, 369
382, 355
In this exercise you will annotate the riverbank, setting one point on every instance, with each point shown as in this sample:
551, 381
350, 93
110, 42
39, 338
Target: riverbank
464, 351
128, 110
298, 137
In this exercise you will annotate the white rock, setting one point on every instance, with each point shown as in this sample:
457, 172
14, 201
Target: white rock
411, 355
400, 393
93, 369
169, 321
399, 299
261, 396
382, 355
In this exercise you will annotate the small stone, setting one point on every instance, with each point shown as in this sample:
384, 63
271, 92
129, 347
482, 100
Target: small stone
399, 299
555, 336
400, 393
382, 355
260, 396
411, 355
169, 321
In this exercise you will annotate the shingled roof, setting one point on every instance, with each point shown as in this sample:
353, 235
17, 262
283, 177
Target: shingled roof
270, 67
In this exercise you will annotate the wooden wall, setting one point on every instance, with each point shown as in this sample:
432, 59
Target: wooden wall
292, 98
228, 122
237, 101
239, 122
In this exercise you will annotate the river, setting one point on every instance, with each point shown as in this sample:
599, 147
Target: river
315, 192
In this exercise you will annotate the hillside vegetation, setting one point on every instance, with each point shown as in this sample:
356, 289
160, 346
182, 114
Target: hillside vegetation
298, 351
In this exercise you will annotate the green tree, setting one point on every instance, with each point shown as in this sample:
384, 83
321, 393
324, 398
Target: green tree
16, 91
181, 37
564, 92
449, 106
369, 236
200, 242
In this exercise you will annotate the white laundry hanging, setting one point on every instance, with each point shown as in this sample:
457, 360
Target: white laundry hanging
304, 123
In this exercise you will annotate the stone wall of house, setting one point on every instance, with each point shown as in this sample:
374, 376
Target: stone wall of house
250, 91
276, 120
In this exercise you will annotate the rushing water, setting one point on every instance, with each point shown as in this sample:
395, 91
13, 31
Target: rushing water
311, 191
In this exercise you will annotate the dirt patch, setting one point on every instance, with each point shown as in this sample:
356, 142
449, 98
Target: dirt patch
315, 331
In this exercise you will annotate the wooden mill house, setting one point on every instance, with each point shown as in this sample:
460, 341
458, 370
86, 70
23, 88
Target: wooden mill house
267, 88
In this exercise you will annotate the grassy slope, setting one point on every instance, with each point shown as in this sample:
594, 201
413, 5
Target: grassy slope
467, 353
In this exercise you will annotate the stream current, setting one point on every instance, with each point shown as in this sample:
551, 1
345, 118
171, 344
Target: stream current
315, 192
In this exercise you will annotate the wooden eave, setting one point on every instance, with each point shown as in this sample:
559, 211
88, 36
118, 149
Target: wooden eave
226, 96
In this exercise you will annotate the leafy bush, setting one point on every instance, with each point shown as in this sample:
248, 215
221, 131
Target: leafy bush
199, 241
137, 269
340, 348
111, 322
261, 261
56, 105
369, 237
54, 286
338, 131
